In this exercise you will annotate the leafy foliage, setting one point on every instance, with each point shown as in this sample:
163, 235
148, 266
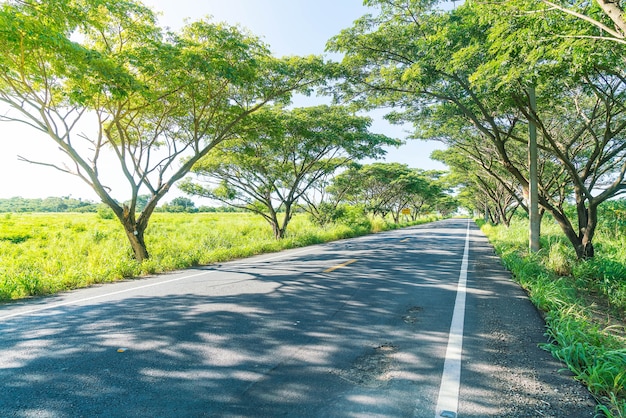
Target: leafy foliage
180, 204
155, 97
50, 204
281, 155
388, 188
461, 76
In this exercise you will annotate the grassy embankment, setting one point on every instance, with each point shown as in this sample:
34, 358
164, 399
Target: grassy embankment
43, 254
584, 302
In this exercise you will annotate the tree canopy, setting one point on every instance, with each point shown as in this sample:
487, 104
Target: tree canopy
281, 154
159, 101
461, 76
387, 188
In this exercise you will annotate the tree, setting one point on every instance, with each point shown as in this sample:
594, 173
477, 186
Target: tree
587, 12
582, 118
430, 193
384, 188
376, 186
498, 196
180, 204
282, 154
470, 67
49, 204
150, 98
414, 190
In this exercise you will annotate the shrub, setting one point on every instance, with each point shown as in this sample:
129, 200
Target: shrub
16, 238
327, 213
356, 218
560, 259
105, 212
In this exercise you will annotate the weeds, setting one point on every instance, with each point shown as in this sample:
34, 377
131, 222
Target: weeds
584, 304
46, 253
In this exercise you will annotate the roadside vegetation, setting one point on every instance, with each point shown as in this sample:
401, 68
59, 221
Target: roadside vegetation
42, 254
583, 301
209, 104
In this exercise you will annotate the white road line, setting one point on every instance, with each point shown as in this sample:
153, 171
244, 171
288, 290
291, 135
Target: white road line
132, 289
78, 301
448, 401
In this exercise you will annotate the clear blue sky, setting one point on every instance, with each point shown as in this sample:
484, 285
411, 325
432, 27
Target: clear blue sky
289, 27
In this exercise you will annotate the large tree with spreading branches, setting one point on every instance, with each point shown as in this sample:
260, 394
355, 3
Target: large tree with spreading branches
470, 68
282, 155
105, 83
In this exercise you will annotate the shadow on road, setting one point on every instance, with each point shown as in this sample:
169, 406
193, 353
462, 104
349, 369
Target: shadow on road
260, 339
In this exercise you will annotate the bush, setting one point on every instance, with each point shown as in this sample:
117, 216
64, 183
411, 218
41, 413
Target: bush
105, 212
327, 213
356, 218
560, 258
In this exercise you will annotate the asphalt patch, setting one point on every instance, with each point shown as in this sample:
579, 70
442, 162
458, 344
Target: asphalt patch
372, 369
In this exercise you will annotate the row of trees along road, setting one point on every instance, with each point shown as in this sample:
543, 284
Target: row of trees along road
461, 76
101, 78
281, 155
390, 188
162, 102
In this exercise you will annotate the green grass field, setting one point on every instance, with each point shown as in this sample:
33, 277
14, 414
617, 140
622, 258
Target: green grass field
584, 302
42, 254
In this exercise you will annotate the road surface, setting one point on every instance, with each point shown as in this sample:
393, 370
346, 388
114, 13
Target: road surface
419, 322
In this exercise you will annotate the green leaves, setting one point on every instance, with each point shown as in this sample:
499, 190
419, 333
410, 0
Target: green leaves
461, 76
278, 155
151, 98
385, 188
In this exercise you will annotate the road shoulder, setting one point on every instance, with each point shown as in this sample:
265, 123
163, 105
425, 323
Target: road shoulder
501, 352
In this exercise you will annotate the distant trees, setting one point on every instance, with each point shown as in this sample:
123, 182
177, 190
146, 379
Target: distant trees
486, 189
387, 188
69, 204
180, 204
50, 204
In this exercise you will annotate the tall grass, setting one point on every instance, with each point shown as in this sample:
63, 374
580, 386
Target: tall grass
584, 302
46, 253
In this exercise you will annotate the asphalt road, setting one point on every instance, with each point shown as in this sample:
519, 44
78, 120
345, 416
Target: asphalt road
356, 328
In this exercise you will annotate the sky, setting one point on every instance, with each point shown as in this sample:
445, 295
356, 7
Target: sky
289, 27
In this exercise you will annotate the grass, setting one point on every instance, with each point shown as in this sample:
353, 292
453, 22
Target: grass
42, 254
584, 303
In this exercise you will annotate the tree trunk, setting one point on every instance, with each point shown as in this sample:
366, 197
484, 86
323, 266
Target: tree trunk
582, 243
288, 214
587, 230
571, 236
279, 232
135, 232
137, 243
613, 10
585, 251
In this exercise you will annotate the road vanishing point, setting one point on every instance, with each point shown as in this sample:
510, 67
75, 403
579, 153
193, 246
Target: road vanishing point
418, 322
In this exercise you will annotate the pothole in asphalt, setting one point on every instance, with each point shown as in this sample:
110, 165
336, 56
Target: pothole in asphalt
412, 315
373, 369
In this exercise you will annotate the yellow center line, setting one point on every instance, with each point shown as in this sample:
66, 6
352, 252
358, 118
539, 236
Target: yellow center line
338, 266
405, 240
